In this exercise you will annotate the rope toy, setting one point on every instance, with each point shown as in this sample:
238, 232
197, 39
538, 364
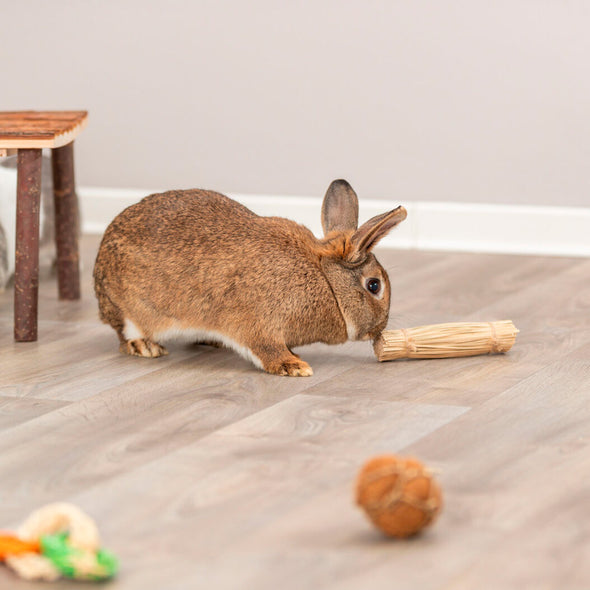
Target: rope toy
446, 340
57, 540
398, 494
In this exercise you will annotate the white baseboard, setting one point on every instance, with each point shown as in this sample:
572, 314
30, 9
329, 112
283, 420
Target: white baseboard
509, 229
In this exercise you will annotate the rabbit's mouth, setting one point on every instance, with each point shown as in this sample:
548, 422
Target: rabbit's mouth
376, 333
372, 335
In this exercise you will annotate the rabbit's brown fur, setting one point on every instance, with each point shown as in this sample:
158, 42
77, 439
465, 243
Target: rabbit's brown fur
200, 264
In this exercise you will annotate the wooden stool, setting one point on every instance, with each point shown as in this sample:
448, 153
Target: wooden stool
27, 133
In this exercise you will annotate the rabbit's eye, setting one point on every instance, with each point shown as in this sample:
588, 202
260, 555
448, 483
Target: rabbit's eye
373, 286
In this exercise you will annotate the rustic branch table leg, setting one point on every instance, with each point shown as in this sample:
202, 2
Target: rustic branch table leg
66, 222
26, 273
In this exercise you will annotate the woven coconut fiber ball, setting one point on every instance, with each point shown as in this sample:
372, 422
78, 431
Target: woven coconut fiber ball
398, 495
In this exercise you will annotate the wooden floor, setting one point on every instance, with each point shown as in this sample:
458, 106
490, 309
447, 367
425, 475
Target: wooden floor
204, 472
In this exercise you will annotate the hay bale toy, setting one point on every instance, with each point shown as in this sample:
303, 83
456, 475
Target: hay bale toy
58, 540
446, 340
399, 495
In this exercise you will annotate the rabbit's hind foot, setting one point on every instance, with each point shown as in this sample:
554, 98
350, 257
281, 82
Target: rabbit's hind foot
143, 347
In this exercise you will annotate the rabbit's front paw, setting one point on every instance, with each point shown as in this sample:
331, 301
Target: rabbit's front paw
277, 359
298, 368
292, 367
143, 347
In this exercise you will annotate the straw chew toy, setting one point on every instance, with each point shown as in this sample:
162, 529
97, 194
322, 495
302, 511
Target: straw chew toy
446, 340
398, 494
58, 540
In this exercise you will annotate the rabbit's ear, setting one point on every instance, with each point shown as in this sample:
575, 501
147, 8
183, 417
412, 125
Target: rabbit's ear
340, 209
367, 236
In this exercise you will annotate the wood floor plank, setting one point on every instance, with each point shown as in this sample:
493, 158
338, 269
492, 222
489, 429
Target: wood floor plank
550, 409
544, 337
462, 284
245, 476
78, 361
204, 472
16, 411
530, 445
547, 558
138, 420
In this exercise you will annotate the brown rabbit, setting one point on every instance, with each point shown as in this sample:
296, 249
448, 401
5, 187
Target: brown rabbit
199, 265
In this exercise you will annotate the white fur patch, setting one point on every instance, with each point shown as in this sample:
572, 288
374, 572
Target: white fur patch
192, 335
131, 331
350, 329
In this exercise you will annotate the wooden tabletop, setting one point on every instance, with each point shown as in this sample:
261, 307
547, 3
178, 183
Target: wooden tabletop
40, 129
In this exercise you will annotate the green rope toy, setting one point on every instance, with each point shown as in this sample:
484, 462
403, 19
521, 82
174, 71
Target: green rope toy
58, 540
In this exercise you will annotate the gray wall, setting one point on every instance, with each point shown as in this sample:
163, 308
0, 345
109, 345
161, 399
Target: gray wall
433, 100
